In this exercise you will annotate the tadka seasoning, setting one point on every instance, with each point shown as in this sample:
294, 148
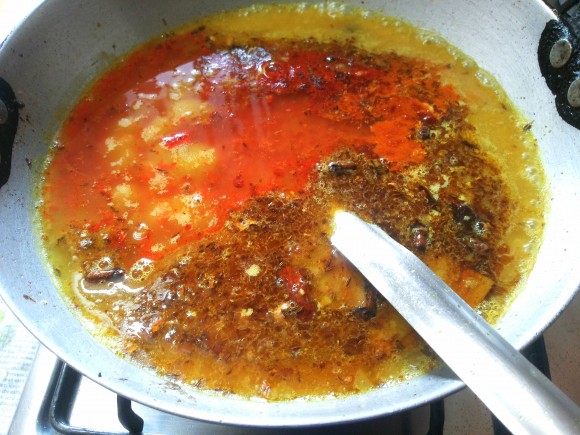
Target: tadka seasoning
188, 200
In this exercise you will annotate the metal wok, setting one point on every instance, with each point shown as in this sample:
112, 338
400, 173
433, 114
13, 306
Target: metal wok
64, 44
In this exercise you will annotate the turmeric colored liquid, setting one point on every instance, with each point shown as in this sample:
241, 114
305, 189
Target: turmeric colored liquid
187, 204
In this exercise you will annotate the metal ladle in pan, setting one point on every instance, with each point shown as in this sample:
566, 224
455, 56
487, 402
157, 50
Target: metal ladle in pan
508, 384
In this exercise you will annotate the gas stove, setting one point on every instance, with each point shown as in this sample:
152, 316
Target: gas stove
58, 400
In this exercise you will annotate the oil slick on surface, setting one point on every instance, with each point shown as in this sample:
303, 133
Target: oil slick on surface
204, 169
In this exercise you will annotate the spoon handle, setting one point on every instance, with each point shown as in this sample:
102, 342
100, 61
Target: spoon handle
508, 384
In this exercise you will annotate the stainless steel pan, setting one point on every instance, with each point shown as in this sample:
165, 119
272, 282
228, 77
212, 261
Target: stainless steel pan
64, 44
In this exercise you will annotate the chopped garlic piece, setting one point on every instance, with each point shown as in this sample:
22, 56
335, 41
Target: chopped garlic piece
212, 222
111, 144
150, 133
159, 182
253, 270
161, 209
182, 218
131, 204
246, 312
157, 247
191, 200
118, 162
192, 156
125, 122
123, 190
187, 108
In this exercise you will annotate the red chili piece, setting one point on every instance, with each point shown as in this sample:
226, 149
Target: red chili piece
299, 292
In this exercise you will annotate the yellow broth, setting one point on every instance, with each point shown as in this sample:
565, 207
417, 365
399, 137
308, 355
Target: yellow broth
187, 202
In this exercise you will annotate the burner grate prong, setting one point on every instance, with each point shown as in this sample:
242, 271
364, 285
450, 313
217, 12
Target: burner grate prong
63, 400
128, 418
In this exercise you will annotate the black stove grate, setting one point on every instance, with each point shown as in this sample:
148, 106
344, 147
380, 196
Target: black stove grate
63, 400
68, 381
562, 7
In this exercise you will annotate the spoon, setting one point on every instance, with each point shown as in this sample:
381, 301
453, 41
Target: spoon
519, 395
